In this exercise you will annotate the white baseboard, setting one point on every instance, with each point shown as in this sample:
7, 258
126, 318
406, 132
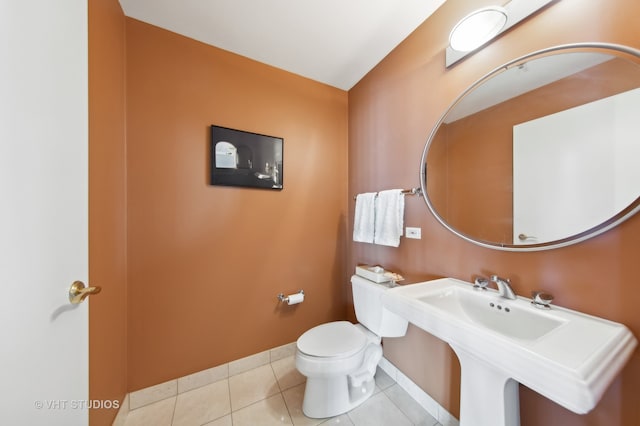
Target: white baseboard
436, 410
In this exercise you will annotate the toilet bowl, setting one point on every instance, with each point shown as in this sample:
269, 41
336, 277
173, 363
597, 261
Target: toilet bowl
332, 357
339, 358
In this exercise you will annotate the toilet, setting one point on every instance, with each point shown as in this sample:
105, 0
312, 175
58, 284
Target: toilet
339, 358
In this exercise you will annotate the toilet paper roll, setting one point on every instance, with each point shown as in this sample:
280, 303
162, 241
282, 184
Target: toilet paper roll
294, 299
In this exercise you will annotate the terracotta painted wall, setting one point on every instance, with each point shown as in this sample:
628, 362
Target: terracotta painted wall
107, 207
391, 112
205, 263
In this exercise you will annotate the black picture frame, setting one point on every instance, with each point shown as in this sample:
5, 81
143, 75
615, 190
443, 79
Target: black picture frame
246, 159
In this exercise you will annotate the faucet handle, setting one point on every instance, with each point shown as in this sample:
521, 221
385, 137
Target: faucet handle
480, 283
541, 299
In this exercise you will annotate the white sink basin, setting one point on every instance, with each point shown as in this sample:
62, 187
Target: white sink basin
569, 357
492, 312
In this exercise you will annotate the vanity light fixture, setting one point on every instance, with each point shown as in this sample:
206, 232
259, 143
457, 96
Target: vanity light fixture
482, 25
477, 28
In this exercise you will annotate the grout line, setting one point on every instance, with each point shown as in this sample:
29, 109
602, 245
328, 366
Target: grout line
287, 407
400, 408
281, 391
230, 401
384, 392
275, 376
173, 413
228, 379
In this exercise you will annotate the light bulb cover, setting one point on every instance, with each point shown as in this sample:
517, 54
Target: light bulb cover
477, 28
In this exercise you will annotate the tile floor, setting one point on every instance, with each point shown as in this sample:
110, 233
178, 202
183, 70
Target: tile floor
272, 395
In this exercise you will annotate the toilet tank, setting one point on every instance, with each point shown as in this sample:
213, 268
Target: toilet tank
367, 300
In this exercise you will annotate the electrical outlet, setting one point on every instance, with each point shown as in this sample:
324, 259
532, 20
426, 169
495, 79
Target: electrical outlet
415, 233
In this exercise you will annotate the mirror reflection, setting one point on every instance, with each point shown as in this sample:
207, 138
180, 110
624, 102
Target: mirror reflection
540, 153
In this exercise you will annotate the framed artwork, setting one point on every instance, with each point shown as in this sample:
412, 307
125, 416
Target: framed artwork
245, 159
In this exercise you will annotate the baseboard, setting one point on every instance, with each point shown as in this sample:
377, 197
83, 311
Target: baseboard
436, 410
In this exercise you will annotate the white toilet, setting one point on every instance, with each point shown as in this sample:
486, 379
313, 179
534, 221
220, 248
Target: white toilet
339, 358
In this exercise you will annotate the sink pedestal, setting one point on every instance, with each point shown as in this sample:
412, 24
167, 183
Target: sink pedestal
488, 397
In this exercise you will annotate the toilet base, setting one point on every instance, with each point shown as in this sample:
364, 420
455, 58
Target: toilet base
338, 384
330, 397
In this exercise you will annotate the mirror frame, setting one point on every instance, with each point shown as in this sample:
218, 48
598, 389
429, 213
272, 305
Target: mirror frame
618, 218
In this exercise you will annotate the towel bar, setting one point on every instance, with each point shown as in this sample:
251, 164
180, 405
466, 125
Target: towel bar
412, 191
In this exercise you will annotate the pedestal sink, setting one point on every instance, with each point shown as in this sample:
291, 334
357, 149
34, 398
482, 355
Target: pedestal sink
566, 356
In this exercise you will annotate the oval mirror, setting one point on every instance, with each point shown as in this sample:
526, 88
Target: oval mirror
540, 153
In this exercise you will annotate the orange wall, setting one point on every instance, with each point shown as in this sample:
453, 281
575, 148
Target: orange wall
205, 263
391, 112
107, 207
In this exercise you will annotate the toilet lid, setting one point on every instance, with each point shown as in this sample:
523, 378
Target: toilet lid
333, 339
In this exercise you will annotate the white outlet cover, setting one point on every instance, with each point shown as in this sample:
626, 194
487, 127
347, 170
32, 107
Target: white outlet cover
415, 233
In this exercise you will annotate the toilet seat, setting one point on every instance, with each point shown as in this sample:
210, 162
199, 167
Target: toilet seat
333, 339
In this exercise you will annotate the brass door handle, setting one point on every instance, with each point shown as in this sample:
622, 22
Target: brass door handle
78, 292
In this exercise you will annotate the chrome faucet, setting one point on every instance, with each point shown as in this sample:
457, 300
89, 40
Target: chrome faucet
504, 287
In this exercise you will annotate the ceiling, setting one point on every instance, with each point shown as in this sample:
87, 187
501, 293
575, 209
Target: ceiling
336, 42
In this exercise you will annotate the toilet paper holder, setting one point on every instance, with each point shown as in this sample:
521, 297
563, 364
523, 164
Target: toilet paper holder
285, 299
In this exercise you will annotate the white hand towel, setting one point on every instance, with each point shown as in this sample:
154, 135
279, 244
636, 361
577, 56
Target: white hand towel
364, 218
389, 219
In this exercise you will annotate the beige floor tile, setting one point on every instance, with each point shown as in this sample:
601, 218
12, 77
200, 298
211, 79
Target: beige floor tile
383, 380
270, 394
378, 411
409, 406
286, 373
153, 394
342, 420
202, 405
252, 386
222, 421
157, 414
268, 412
293, 398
